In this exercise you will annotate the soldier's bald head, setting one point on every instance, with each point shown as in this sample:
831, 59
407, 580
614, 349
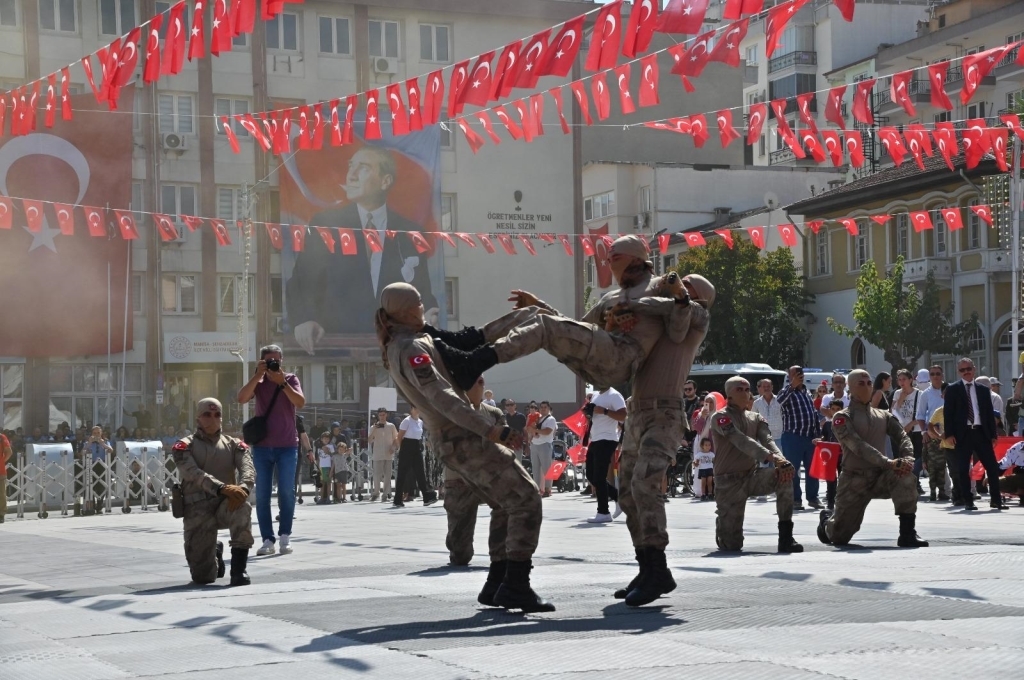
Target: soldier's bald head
734, 389
399, 297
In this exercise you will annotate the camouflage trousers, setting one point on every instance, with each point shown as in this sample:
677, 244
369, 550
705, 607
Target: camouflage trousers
601, 358
855, 491
654, 429
495, 475
935, 464
1012, 484
731, 493
460, 504
202, 520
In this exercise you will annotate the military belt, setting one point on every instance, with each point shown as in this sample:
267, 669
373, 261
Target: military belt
663, 402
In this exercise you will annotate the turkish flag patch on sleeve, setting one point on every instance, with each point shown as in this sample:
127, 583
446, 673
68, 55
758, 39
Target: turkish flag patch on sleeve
724, 421
419, 360
181, 446
839, 421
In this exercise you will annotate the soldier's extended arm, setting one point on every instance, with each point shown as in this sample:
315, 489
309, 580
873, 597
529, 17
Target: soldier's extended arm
246, 471
418, 368
842, 428
466, 340
190, 471
901, 445
722, 424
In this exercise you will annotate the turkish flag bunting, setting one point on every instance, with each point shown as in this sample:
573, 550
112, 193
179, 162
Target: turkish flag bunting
525, 110
916, 133
564, 49
87, 67
691, 62
505, 71
699, 129
791, 141
127, 60
556, 94
899, 91
488, 245
225, 124
348, 133
726, 236
945, 140
803, 105
284, 131
372, 130
192, 222
65, 218
478, 90
466, 238
983, 212
457, 86
952, 218
854, 147
605, 39
726, 132
921, 220
845, 8
33, 214
649, 81
663, 241
622, 76
65, 96
755, 121
328, 238
579, 91
304, 140
537, 113
434, 97
317, 132
775, 24
531, 58
485, 120
527, 243
735, 8
809, 140
51, 100
446, 237
643, 19
694, 239
602, 98
880, 219
95, 218
587, 244
727, 49
862, 102
682, 16
937, 74
506, 243
566, 243
998, 138
475, 140
253, 128
196, 48
108, 58
165, 225
834, 145
914, 145
1012, 121
834, 106
976, 67
32, 106
335, 123
151, 72
222, 35
399, 116
126, 223
412, 90
174, 46
298, 234
419, 242
513, 129
850, 224
976, 141
814, 225
779, 107
893, 144
243, 16
347, 237
757, 236
220, 230
788, 234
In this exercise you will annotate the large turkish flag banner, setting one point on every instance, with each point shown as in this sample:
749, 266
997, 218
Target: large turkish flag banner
55, 285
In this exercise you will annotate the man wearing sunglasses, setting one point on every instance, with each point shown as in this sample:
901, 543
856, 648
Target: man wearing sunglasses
217, 476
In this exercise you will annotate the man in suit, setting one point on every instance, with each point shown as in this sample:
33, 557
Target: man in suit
970, 425
337, 294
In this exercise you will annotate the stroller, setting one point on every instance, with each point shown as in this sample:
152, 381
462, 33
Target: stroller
680, 475
570, 478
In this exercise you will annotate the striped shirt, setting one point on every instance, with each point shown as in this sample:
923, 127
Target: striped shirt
798, 413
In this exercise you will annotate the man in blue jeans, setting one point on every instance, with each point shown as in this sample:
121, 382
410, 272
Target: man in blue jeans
278, 395
799, 428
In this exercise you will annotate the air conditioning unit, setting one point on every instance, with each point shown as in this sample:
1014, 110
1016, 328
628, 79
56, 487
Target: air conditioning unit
277, 324
172, 141
182, 233
640, 221
385, 65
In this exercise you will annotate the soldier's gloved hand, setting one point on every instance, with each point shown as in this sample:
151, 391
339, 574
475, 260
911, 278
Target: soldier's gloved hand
236, 495
523, 298
784, 470
495, 434
514, 440
902, 466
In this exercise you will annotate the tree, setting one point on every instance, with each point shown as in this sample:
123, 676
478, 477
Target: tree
760, 306
902, 321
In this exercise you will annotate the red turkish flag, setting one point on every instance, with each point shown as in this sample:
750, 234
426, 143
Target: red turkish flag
33, 214
577, 422
220, 231
537, 113
1012, 121
937, 74
952, 218
87, 67
791, 141
304, 141
96, 220
809, 141
506, 243
65, 96
914, 145
779, 107
825, 461
347, 237
694, 239
726, 132
274, 233
412, 90
434, 97
317, 132
327, 237
622, 76
580, 93
525, 241
525, 110
335, 124
109, 59
726, 236
602, 98
699, 129
922, 220
485, 120
854, 147
372, 129
727, 49
915, 133
998, 138
151, 73
691, 62
735, 8
834, 106
775, 24
976, 141
880, 219
373, 240
253, 128
478, 88
457, 85
65, 218
788, 234
566, 244
225, 125
221, 36
126, 223
892, 143
399, 117
803, 105
757, 236
845, 8
976, 67
466, 238
505, 71
643, 19
649, 80
899, 91
348, 132
564, 48
814, 225
488, 245
530, 59
682, 16
556, 470
983, 212
945, 140
192, 222
165, 226
850, 224
298, 235
556, 94
862, 102
51, 100
196, 47
602, 244
243, 16
419, 242
755, 121
513, 129
833, 145
605, 38
587, 245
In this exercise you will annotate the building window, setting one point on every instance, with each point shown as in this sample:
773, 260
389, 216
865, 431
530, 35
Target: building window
1014, 99
383, 38
228, 203
448, 216
588, 272
335, 36
858, 353
901, 236
974, 228
668, 263
177, 200
178, 294
976, 110
796, 39
276, 295
176, 113
138, 291
451, 298
231, 107
447, 139
137, 205
822, 257
12, 377
943, 117
339, 383
751, 55
117, 17
941, 234
283, 32
791, 86
81, 393
58, 15
644, 200
976, 342
165, 9
601, 205
435, 43
859, 250
8, 17
229, 295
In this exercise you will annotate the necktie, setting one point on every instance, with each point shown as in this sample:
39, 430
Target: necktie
970, 405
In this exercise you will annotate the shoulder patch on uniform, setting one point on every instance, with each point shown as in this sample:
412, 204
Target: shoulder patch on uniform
724, 421
839, 421
420, 360
241, 444
181, 445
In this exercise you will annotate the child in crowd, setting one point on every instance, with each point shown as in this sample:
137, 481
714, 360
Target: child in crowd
340, 466
325, 450
706, 470
827, 435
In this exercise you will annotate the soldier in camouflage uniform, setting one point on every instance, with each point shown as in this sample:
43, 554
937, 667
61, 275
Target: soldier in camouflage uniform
742, 442
467, 441
867, 473
217, 476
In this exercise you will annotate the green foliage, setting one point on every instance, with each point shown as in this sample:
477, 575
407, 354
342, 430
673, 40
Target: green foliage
760, 306
903, 321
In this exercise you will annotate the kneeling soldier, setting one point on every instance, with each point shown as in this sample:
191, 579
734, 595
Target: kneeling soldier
743, 441
217, 475
867, 472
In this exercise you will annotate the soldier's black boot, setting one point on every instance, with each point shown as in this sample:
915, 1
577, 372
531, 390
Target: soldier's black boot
908, 534
495, 576
786, 542
822, 533
621, 593
239, 558
655, 581
515, 591
220, 560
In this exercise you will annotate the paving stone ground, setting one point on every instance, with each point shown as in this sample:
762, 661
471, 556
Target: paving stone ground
367, 594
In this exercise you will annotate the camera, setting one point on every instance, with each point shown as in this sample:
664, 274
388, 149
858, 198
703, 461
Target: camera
273, 365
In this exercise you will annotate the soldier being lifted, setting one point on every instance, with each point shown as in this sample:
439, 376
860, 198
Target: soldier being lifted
743, 441
867, 472
217, 476
467, 441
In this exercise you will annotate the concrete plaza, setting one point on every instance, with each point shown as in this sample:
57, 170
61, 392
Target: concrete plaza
367, 594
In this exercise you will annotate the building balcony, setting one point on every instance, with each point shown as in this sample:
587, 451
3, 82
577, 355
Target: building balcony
919, 91
793, 107
787, 157
916, 271
792, 59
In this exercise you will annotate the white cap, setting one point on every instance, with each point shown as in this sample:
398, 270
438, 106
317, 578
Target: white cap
922, 375
983, 380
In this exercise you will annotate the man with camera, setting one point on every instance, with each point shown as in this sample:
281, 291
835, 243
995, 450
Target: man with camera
276, 444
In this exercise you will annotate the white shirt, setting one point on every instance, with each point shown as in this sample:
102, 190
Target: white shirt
605, 428
929, 400
325, 455
705, 460
997, 403
772, 412
412, 427
380, 222
972, 394
908, 410
489, 402
542, 424
830, 397
1014, 456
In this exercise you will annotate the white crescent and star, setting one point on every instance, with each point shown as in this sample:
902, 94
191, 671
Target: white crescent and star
755, 119
624, 90
530, 56
571, 35
610, 24
648, 74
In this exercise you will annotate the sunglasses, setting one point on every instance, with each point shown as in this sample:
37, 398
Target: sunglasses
210, 414
969, 369
935, 375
